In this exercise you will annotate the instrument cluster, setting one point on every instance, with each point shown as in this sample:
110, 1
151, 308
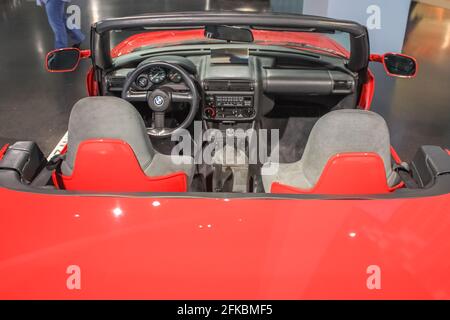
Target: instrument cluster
156, 76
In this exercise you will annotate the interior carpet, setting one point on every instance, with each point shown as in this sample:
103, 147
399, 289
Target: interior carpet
294, 133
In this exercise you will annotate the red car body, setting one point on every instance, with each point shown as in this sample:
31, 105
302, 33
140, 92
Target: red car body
218, 248
188, 247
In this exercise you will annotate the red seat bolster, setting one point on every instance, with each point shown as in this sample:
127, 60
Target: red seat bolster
347, 173
107, 165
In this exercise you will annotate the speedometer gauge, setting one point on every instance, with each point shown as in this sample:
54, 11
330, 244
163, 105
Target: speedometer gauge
157, 75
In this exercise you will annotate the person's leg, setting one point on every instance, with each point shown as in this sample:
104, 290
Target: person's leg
57, 21
75, 34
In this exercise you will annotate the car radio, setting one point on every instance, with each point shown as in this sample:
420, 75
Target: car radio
229, 100
228, 107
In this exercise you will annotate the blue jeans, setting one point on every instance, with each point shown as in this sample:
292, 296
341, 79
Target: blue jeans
57, 19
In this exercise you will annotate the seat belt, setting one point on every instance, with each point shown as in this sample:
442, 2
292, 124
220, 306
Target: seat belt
45, 175
404, 172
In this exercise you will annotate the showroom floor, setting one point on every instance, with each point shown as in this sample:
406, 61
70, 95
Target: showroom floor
35, 105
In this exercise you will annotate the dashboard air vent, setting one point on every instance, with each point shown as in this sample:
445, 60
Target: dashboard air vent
228, 85
216, 85
241, 86
116, 82
343, 85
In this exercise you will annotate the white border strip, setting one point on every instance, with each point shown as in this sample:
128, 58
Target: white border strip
61, 144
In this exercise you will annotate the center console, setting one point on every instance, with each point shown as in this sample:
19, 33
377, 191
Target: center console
230, 97
229, 91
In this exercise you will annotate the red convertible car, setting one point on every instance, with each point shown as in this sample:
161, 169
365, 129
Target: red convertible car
225, 156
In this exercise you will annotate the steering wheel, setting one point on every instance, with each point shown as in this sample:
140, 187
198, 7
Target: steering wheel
160, 99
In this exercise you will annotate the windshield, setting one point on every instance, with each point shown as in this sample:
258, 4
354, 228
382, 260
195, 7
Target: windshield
336, 43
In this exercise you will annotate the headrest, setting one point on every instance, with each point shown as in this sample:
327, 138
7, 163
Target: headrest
107, 118
344, 131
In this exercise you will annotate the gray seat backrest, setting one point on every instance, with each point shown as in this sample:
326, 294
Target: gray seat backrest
107, 118
344, 131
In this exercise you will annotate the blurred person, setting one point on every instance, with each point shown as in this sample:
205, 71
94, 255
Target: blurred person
57, 18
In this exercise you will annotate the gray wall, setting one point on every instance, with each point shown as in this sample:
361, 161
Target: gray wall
292, 6
385, 19
315, 7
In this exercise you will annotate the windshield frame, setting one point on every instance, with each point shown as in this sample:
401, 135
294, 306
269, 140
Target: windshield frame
359, 42
142, 40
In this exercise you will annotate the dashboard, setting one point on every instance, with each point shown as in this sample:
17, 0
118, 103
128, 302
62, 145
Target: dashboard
239, 92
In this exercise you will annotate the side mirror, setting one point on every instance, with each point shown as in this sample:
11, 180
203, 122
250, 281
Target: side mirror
65, 60
400, 65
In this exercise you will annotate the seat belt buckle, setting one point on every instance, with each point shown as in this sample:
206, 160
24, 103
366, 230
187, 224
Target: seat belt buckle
55, 161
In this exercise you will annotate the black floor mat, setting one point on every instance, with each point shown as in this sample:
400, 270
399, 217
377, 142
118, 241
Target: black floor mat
294, 133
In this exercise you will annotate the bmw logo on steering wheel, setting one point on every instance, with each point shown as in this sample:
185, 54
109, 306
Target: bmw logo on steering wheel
158, 101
